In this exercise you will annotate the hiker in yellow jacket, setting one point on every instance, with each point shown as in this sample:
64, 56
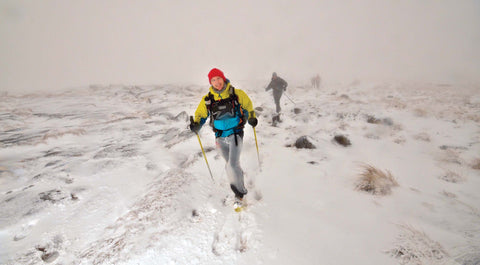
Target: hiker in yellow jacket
229, 109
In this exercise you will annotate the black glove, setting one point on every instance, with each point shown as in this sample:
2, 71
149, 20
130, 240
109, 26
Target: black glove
253, 122
194, 126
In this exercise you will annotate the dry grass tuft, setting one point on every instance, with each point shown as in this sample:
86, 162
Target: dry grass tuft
416, 248
375, 181
452, 177
400, 140
420, 112
448, 194
422, 137
476, 164
450, 155
473, 117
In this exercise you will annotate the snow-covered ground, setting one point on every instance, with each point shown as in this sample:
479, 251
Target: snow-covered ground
112, 175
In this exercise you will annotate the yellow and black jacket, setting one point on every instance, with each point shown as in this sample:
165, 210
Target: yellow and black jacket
228, 110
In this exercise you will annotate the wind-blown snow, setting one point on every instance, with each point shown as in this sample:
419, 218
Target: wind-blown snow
112, 175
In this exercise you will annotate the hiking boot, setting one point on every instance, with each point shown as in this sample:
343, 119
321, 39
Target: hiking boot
238, 202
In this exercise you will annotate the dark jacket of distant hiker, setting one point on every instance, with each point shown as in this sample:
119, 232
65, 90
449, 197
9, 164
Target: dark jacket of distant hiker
278, 85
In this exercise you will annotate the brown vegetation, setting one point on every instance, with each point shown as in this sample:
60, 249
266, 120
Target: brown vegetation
452, 177
375, 181
476, 164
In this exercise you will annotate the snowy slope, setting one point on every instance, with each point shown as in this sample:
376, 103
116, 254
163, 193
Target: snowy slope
112, 175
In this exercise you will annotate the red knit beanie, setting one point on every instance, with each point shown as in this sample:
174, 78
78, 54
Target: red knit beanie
216, 72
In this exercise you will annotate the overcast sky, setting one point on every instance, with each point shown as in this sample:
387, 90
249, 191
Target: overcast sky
56, 44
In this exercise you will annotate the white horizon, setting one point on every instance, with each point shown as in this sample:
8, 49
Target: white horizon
53, 45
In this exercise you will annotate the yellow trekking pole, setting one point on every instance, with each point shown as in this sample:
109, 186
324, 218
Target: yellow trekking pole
256, 143
203, 151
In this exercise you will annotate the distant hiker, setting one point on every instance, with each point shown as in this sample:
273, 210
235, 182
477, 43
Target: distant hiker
278, 85
315, 81
229, 109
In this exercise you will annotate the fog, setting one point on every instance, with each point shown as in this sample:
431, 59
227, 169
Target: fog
48, 45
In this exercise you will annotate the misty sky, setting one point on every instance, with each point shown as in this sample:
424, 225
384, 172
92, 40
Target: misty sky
57, 44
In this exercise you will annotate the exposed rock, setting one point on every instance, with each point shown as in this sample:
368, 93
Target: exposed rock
195, 213
372, 119
342, 140
52, 163
384, 121
52, 195
303, 142
50, 257
41, 248
387, 121
73, 196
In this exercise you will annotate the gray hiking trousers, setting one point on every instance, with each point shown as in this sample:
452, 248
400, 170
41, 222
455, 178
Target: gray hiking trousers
277, 94
230, 151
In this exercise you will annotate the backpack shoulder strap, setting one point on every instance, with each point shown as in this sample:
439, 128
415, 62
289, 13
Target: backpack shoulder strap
234, 95
236, 102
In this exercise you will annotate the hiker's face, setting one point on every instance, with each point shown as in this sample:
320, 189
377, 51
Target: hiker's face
217, 82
